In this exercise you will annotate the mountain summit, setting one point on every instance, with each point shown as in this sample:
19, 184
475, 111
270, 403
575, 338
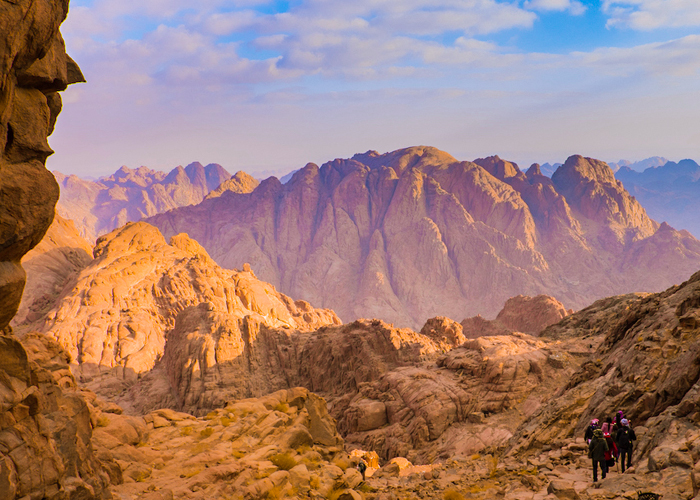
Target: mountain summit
415, 233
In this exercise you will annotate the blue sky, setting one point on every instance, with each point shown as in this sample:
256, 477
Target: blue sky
266, 86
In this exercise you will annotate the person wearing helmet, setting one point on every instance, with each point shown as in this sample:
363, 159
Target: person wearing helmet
589, 430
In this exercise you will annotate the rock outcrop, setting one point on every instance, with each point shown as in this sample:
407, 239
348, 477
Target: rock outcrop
50, 266
414, 234
97, 207
45, 426
240, 182
645, 363
115, 319
34, 67
523, 314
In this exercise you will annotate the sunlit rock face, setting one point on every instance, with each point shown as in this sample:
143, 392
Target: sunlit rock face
34, 67
140, 292
414, 234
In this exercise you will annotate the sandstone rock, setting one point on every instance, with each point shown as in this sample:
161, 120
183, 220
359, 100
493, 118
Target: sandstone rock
414, 234
50, 266
139, 291
352, 477
634, 342
98, 207
531, 315
444, 330
46, 432
349, 495
563, 490
33, 68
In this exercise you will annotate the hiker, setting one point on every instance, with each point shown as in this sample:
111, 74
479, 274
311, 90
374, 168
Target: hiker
589, 430
596, 452
618, 421
624, 439
611, 454
362, 467
607, 426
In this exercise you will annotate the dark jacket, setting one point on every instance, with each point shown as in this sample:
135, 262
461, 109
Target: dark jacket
624, 437
589, 433
598, 446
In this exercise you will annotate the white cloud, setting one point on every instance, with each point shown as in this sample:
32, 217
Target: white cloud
652, 14
679, 57
574, 7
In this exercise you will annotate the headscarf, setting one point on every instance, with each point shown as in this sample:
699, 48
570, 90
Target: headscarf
625, 422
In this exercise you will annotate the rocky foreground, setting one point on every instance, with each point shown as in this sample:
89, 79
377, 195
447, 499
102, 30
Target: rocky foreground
240, 392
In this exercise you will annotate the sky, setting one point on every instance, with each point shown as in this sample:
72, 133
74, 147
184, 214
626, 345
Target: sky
267, 86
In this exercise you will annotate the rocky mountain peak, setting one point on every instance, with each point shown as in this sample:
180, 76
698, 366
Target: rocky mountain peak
578, 169
499, 168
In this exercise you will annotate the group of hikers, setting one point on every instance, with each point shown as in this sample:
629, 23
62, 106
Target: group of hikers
609, 443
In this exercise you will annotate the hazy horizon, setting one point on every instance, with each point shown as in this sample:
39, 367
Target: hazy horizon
271, 85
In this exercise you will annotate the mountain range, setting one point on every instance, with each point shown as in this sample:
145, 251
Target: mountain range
669, 192
99, 206
415, 233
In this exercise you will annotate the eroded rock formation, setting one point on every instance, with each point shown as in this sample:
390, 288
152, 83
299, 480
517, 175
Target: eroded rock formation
645, 363
115, 320
45, 426
523, 314
414, 234
50, 266
34, 67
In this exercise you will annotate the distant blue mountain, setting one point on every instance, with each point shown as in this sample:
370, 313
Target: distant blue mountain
669, 193
639, 166
548, 169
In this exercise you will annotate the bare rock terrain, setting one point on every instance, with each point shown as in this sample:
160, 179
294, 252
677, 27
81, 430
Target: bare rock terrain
45, 426
50, 266
523, 314
97, 207
414, 234
115, 319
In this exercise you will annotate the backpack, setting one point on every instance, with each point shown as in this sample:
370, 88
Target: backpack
623, 438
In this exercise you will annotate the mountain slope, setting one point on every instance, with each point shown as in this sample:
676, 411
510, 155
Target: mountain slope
97, 207
415, 234
50, 266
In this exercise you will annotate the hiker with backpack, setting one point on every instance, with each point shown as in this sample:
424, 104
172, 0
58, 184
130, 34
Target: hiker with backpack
596, 452
612, 453
624, 439
589, 430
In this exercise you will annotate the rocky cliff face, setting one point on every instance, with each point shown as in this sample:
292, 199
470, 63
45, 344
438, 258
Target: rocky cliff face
45, 426
34, 67
415, 234
50, 266
115, 319
97, 207
645, 363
